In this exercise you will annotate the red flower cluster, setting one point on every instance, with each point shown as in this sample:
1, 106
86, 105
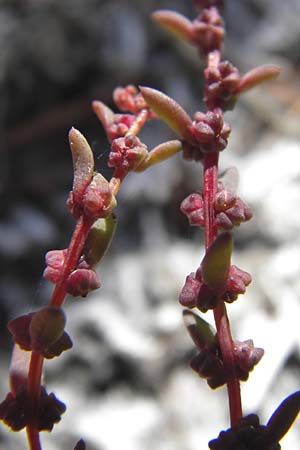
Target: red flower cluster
221, 84
41, 331
229, 209
16, 411
209, 131
127, 153
197, 294
80, 282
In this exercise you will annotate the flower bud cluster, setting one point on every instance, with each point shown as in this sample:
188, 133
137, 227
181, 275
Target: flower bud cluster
208, 29
127, 153
229, 209
120, 126
79, 282
248, 434
209, 363
96, 202
197, 294
15, 410
209, 131
221, 84
41, 331
129, 99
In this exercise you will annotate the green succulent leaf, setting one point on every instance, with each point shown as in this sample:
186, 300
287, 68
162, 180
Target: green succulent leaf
216, 262
257, 76
160, 153
83, 163
200, 331
99, 239
168, 110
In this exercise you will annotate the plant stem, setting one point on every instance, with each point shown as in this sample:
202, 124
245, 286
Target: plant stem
33, 439
36, 362
138, 122
210, 165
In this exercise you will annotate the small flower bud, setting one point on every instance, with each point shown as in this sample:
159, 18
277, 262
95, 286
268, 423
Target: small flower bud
246, 357
98, 200
221, 85
61, 345
210, 131
208, 31
192, 207
127, 153
129, 99
46, 327
82, 281
15, 410
54, 263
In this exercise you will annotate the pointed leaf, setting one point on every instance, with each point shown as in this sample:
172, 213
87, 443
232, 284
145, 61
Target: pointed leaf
216, 262
80, 445
283, 418
168, 110
199, 330
257, 76
104, 113
175, 23
160, 153
83, 163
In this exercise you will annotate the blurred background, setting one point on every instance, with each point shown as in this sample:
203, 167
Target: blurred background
126, 382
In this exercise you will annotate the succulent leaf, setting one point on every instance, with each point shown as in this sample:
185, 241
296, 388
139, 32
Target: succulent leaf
199, 330
257, 76
216, 262
168, 110
175, 23
83, 163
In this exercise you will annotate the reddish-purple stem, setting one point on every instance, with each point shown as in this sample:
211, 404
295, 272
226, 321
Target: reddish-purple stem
36, 363
210, 164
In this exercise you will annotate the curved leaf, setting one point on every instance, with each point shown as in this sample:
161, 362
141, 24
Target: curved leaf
216, 262
175, 23
83, 163
168, 110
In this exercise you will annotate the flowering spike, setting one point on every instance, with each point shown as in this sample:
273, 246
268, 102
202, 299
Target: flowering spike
216, 262
199, 330
257, 76
160, 153
83, 162
175, 23
99, 239
168, 110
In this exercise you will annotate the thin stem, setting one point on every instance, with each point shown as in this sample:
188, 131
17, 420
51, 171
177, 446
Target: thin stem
138, 122
36, 362
222, 323
33, 439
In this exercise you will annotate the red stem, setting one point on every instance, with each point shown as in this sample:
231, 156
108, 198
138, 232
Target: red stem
210, 164
36, 362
